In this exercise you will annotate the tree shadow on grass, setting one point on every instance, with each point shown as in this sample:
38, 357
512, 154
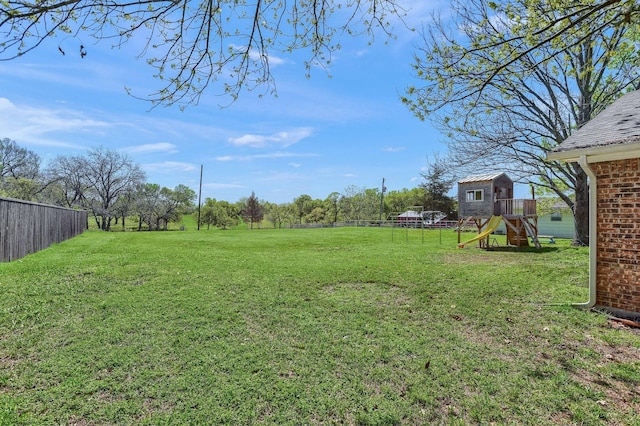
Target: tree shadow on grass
529, 249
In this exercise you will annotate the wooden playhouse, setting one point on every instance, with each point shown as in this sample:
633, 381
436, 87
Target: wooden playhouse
486, 201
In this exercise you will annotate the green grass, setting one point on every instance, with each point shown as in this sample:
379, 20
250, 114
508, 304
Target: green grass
322, 326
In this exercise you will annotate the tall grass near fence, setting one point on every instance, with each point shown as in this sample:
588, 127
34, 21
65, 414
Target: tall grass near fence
319, 326
27, 227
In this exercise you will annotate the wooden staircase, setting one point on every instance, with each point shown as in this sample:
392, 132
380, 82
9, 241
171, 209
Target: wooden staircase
531, 231
519, 230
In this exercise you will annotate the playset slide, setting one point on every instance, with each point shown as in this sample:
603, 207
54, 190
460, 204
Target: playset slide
492, 225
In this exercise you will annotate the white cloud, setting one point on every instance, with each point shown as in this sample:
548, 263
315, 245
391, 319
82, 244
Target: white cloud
263, 156
393, 149
295, 165
169, 148
60, 126
216, 185
284, 155
254, 141
281, 139
34, 126
170, 167
254, 55
273, 60
71, 73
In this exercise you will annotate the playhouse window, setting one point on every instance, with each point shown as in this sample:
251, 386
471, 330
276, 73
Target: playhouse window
475, 195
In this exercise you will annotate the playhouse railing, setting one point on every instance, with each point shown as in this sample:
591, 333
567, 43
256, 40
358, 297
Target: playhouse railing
519, 207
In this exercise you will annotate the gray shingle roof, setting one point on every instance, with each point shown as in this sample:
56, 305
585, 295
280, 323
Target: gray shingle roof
618, 124
481, 178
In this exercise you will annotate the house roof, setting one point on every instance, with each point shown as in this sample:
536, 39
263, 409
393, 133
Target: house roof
612, 134
481, 178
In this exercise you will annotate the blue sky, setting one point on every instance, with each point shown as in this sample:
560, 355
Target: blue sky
318, 136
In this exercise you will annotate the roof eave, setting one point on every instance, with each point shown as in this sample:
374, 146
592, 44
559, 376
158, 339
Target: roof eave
598, 154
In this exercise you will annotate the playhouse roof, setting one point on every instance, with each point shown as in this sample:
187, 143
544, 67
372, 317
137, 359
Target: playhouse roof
612, 133
481, 178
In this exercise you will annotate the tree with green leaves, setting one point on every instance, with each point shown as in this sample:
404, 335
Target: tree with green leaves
191, 45
145, 204
540, 94
278, 214
331, 206
221, 214
437, 184
252, 211
303, 206
357, 203
557, 22
225, 214
158, 206
287, 213
173, 203
207, 212
317, 215
398, 201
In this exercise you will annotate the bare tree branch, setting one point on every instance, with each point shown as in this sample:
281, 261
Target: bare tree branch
192, 45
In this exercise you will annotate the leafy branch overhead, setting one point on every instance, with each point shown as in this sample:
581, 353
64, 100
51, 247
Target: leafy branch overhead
192, 45
505, 35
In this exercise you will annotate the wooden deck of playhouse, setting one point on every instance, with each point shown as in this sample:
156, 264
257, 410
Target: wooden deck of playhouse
520, 219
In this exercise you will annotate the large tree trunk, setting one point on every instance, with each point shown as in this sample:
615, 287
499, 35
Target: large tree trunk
581, 208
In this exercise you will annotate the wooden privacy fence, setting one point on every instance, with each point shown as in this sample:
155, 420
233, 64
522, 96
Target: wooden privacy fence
27, 227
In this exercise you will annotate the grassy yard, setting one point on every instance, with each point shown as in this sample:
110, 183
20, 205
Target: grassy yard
321, 326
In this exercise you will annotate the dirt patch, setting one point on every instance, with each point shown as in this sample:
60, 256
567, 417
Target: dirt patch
8, 362
600, 358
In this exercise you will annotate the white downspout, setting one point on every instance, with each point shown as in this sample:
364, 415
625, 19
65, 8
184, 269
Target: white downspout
593, 232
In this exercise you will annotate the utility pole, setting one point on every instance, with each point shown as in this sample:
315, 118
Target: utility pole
382, 199
200, 196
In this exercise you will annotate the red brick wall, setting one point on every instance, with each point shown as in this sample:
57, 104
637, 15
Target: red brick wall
618, 240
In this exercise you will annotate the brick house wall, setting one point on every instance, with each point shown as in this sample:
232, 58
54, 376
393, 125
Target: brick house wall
618, 239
